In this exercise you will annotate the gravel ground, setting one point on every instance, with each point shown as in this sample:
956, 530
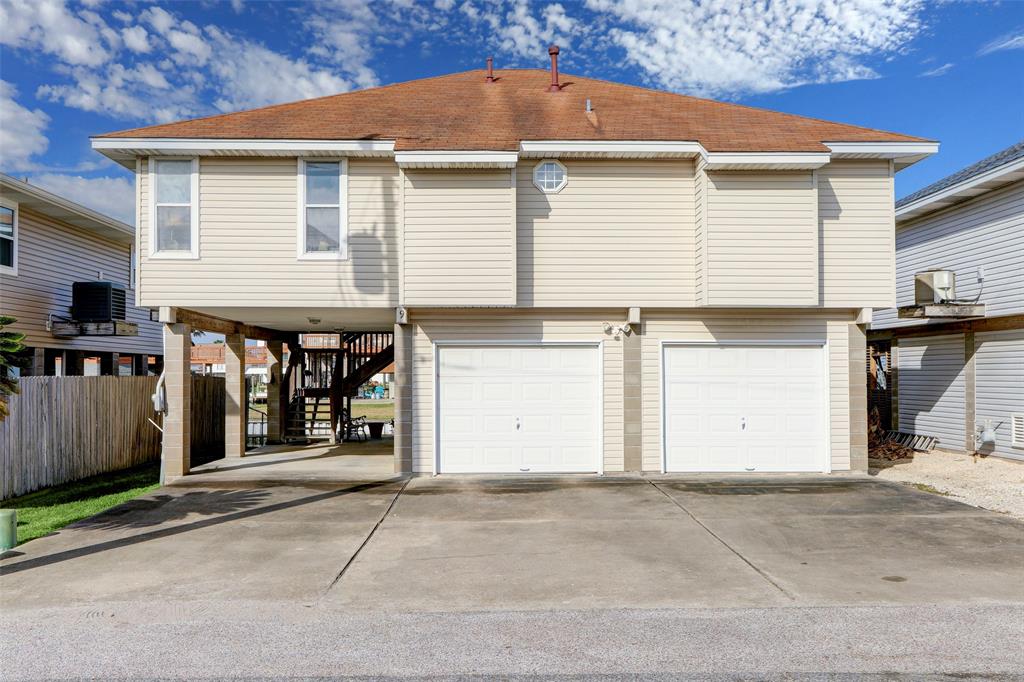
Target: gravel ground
986, 482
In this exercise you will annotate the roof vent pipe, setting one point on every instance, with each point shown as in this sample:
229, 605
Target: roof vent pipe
490, 69
554, 87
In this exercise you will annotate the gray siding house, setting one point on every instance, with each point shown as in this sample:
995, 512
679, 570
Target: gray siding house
48, 243
953, 379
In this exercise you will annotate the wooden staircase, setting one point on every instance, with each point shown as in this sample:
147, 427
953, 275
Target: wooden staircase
322, 382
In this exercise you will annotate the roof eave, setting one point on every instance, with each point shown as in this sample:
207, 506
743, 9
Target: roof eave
903, 154
968, 188
124, 150
57, 207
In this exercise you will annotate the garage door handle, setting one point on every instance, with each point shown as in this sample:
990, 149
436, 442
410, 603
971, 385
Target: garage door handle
743, 423
518, 425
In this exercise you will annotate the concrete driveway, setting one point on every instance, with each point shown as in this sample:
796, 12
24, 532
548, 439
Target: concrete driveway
470, 560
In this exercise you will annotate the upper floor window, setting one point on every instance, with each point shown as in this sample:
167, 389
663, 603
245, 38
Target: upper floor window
9, 237
322, 209
175, 208
550, 176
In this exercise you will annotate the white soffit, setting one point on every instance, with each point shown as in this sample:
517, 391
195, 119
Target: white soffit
124, 149
465, 159
902, 153
766, 160
614, 149
962, 191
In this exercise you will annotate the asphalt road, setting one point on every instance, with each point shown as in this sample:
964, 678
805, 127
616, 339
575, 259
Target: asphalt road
209, 640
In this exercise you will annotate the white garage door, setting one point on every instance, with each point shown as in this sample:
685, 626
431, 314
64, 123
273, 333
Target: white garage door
745, 408
519, 409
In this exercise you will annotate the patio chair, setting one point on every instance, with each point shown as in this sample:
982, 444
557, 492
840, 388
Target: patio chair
354, 428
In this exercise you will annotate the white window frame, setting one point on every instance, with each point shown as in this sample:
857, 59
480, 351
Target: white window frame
12, 269
300, 224
565, 176
193, 252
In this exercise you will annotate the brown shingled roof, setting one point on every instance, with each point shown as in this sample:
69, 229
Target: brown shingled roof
463, 112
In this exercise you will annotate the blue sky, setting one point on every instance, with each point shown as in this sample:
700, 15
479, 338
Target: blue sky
951, 71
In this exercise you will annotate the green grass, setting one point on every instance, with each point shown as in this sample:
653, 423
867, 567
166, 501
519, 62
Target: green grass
44, 511
374, 410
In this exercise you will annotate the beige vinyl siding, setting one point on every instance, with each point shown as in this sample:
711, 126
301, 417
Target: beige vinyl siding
519, 326
661, 326
619, 233
857, 225
248, 240
52, 256
762, 239
459, 238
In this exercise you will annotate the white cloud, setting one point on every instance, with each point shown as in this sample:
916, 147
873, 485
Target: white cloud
189, 47
728, 47
159, 18
136, 38
49, 26
342, 34
1009, 41
22, 131
938, 70
242, 67
114, 197
524, 35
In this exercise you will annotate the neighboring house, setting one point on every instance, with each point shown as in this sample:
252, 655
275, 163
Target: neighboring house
956, 377
47, 244
573, 277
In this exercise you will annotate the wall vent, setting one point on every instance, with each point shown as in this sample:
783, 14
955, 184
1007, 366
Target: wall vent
1017, 428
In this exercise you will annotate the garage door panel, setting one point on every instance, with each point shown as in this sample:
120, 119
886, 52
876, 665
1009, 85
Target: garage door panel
744, 408
551, 392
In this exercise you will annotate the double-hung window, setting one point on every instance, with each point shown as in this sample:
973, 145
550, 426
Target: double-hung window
174, 185
322, 207
9, 237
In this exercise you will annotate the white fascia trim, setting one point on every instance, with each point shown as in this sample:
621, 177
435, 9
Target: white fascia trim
443, 158
780, 160
16, 185
884, 150
200, 146
951, 192
554, 147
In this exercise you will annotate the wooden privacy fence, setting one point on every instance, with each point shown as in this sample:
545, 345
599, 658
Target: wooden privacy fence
62, 429
207, 419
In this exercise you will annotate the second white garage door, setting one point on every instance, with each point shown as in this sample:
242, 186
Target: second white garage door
519, 409
744, 408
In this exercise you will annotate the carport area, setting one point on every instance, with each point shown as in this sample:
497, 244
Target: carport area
479, 543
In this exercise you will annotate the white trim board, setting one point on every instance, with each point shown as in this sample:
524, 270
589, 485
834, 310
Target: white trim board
193, 253
456, 159
966, 189
121, 149
300, 213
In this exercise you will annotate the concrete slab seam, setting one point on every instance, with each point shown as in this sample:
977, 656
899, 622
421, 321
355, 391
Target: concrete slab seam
366, 540
725, 544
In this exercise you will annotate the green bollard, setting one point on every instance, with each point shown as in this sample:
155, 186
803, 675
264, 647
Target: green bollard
8, 529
